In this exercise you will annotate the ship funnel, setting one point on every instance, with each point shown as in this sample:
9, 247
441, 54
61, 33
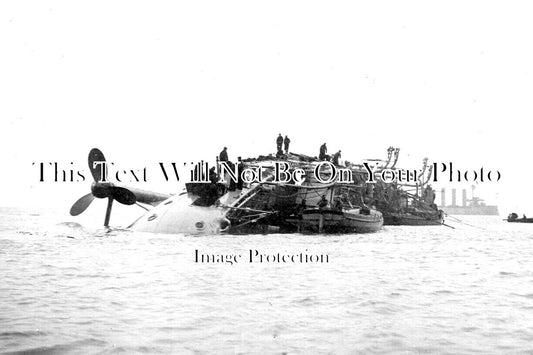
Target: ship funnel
454, 200
443, 197
464, 197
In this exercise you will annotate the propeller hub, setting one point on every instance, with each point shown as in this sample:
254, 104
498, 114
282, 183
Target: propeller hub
101, 189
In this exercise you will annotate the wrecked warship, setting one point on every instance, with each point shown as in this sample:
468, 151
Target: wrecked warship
225, 203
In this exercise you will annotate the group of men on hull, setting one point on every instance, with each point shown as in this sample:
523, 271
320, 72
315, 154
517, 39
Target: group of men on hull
323, 155
335, 159
282, 141
223, 156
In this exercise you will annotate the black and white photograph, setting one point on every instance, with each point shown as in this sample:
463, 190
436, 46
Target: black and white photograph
251, 177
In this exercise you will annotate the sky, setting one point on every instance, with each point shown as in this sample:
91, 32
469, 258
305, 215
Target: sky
150, 82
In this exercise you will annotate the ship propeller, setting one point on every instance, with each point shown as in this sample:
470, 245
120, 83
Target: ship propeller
100, 189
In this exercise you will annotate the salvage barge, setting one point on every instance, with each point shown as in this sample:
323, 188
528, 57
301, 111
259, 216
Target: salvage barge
337, 207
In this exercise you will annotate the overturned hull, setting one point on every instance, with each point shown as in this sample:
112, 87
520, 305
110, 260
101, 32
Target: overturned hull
325, 201
178, 215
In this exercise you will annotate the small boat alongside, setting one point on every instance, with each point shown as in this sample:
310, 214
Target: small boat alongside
355, 220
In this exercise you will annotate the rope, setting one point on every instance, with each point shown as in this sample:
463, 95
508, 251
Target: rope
243, 209
459, 221
251, 221
141, 206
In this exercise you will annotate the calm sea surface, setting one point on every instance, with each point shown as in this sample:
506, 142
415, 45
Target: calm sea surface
68, 289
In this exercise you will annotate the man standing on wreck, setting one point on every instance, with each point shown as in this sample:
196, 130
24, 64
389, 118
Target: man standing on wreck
323, 151
279, 142
223, 156
286, 143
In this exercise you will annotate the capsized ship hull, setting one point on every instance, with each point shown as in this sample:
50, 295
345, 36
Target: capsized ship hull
262, 207
178, 215
216, 205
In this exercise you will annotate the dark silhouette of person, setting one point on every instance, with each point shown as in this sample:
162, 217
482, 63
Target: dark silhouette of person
336, 157
338, 204
279, 142
223, 156
323, 151
323, 203
286, 143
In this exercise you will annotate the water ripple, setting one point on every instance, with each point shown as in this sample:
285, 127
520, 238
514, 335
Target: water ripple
71, 289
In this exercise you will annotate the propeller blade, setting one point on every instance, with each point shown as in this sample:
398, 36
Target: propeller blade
81, 205
148, 197
95, 155
123, 195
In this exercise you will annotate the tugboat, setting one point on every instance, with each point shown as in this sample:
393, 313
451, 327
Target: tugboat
513, 217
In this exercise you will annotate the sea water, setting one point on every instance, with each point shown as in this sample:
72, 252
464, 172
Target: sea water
67, 288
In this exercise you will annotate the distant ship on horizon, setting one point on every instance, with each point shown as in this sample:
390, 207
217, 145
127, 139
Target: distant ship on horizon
473, 206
